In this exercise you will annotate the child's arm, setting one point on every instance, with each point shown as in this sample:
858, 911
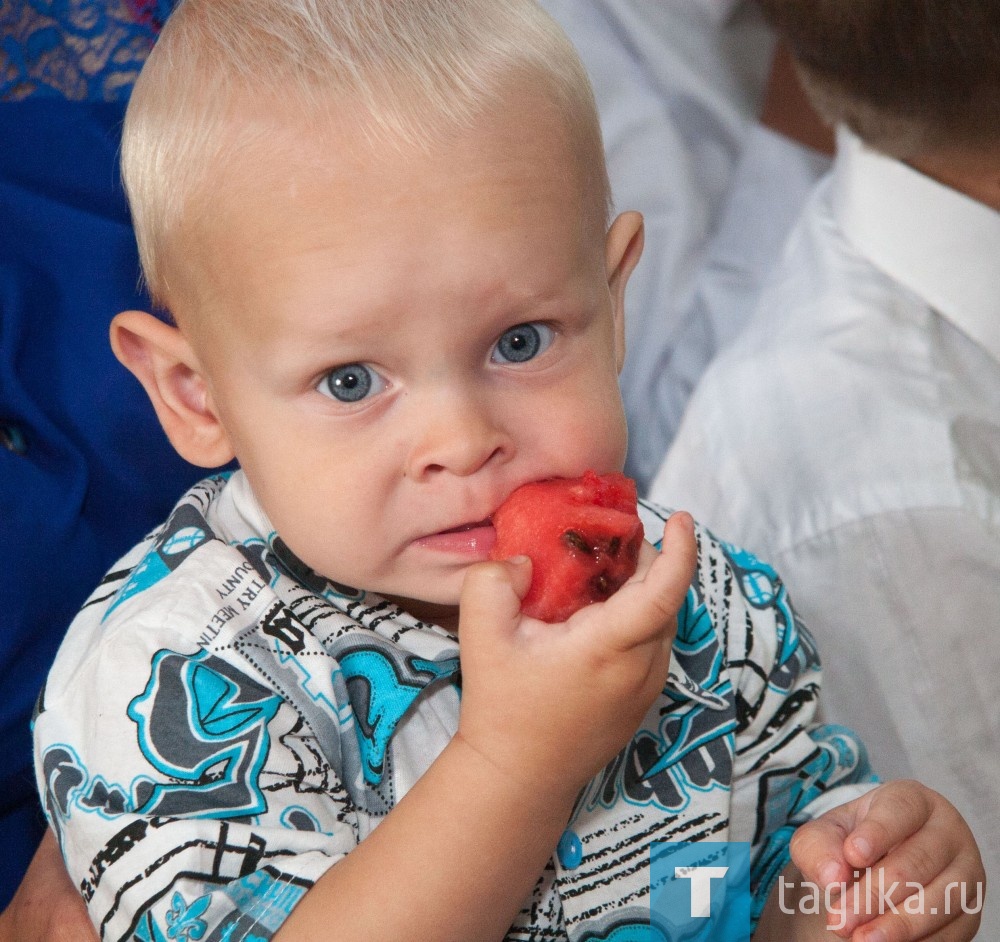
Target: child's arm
459, 855
914, 854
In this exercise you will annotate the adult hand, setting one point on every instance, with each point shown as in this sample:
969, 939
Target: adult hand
46, 906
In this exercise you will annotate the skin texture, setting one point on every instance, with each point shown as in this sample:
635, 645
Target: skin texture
416, 265
416, 268
46, 906
787, 108
901, 833
974, 173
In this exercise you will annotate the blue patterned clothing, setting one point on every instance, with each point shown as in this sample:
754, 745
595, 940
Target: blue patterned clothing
221, 725
79, 50
80, 482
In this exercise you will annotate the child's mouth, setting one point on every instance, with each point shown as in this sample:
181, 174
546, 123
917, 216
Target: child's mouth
475, 538
468, 526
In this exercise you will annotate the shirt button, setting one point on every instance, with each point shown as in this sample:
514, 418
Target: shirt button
13, 439
570, 850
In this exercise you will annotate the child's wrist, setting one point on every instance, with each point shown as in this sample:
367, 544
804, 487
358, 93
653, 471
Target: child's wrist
553, 794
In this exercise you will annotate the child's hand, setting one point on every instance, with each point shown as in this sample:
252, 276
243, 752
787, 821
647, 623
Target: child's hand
550, 704
922, 858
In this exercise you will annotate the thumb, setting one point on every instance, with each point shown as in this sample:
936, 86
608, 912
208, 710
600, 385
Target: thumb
647, 606
492, 593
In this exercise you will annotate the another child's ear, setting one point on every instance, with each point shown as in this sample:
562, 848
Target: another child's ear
623, 249
163, 361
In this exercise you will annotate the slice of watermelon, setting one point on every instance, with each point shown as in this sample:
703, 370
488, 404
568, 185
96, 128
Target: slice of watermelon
582, 534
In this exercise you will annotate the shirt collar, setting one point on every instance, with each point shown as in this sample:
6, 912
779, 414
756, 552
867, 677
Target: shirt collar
934, 240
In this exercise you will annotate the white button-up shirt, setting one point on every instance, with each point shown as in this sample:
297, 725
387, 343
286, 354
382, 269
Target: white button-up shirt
851, 437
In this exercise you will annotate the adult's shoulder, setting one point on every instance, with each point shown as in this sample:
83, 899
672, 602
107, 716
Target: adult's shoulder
794, 416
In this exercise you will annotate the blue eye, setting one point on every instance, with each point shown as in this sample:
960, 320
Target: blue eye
522, 343
351, 383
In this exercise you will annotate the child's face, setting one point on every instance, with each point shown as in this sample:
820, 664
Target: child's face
395, 343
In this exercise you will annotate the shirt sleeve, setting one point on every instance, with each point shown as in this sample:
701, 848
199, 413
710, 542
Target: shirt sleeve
189, 798
788, 767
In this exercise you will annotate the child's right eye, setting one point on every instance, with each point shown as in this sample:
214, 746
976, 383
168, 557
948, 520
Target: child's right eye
351, 383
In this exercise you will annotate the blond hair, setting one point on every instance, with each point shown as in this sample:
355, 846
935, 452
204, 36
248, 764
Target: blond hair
909, 77
411, 70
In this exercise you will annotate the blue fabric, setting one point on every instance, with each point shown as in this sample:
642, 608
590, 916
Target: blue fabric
84, 50
97, 471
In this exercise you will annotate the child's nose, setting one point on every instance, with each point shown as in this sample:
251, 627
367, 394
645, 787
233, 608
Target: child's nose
457, 432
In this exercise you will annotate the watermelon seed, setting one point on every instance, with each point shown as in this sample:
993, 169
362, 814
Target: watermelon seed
614, 545
575, 541
601, 584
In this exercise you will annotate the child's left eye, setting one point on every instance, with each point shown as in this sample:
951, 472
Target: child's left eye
522, 343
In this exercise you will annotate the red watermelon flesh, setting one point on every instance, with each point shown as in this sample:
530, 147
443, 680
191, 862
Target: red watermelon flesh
582, 534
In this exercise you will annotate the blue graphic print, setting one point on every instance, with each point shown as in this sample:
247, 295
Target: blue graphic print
382, 691
63, 775
185, 532
840, 757
691, 750
203, 723
263, 901
238, 765
183, 919
633, 932
763, 589
148, 931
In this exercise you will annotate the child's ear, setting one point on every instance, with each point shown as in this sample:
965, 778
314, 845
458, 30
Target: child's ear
622, 251
163, 361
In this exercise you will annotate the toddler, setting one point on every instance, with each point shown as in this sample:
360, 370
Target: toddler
307, 707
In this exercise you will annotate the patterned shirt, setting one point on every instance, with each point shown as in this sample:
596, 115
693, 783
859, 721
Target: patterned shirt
222, 725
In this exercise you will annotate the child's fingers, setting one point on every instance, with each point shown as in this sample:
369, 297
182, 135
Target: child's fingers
492, 593
927, 879
892, 852
917, 861
817, 849
912, 886
642, 608
896, 810
830, 848
938, 911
